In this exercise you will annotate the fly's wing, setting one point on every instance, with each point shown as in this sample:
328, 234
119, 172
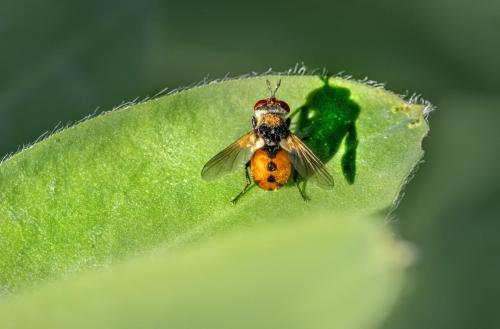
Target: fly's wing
232, 157
306, 163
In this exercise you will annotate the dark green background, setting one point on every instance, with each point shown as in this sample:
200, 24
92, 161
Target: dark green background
61, 60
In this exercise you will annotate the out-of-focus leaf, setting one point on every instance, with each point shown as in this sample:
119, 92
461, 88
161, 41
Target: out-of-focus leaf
327, 272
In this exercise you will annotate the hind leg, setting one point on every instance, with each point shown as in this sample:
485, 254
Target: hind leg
248, 185
296, 180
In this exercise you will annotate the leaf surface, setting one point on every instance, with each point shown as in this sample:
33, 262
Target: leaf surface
127, 181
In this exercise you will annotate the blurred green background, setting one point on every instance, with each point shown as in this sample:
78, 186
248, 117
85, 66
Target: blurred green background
62, 60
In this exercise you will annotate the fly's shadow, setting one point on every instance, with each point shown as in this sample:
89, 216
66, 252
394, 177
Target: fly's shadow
327, 119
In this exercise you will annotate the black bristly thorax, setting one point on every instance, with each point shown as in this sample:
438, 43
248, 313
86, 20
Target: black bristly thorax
272, 135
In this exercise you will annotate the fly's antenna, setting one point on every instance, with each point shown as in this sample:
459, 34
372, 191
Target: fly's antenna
269, 87
277, 87
273, 92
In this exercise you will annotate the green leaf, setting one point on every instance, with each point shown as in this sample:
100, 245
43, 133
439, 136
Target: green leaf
124, 182
327, 272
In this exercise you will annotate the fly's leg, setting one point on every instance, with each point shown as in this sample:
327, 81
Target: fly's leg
248, 184
296, 179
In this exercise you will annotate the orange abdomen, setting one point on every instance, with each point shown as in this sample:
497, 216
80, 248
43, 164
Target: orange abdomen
270, 173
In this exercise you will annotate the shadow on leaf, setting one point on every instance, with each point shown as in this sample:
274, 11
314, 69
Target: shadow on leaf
326, 119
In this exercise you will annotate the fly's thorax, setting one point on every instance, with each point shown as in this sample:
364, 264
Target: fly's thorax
272, 128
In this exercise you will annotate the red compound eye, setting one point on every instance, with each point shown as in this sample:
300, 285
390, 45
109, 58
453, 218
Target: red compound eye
284, 106
260, 103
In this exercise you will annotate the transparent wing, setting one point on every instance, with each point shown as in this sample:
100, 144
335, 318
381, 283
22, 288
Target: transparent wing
306, 163
232, 157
